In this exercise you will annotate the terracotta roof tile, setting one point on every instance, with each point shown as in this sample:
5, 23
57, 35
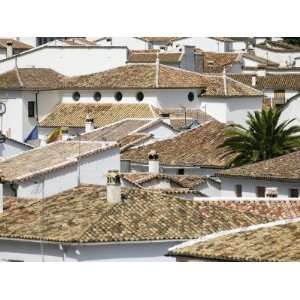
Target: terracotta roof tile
282, 168
272, 244
74, 114
83, 215
43, 160
15, 44
195, 147
31, 78
150, 57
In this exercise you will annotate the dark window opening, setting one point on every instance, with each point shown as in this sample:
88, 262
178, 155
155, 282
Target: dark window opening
180, 171
191, 96
31, 109
76, 96
140, 96
294, 193
118, 96
97, 96
260, 191
238, 190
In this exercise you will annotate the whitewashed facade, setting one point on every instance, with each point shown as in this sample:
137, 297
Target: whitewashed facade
12, 147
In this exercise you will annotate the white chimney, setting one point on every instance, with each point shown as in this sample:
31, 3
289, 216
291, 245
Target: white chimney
65, 134
89, 123
9, 49
253, 80
43, 141
271, 192
153, 158
1, 198
113, 188
166, 118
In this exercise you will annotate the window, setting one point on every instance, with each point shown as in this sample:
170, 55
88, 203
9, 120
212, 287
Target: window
76, 96
294, 193
31, 109
97, 96
191, 96
180, 171
140, 96
238, 190
118, 96
279, 98
260, 191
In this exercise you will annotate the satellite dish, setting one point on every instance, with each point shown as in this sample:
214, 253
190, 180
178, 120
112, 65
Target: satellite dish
2, 108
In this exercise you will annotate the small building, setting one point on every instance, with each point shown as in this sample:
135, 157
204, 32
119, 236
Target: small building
49, 170
94, 223
277, 177
291, 110
270, 242
193, 152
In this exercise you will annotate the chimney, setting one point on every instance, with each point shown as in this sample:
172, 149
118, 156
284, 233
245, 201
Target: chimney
1, 198
89, 123
271, 192
65, 134
113, 188
9, 49
253, 79
166, 118
43, 141
153, 158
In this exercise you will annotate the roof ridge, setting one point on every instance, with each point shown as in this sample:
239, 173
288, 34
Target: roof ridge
19, 77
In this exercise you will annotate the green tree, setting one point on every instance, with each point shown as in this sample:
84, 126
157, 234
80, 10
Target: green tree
263, 138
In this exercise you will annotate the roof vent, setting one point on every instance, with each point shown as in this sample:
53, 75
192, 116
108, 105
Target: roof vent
153, 162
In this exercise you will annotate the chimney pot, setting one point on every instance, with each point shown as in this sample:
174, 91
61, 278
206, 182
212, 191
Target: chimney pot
9, 49
153, 158
89, 123
113, 188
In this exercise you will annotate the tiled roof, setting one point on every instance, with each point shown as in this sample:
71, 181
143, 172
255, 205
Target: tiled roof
184, 181
196, 147
214, 62
278, 46
270, 81
74, 114
149, 56
79, 42
83, 215
144, 76
46, 159
270, 244
114, 131
31, 78
282, 168
261, 60
133, 139
15, 44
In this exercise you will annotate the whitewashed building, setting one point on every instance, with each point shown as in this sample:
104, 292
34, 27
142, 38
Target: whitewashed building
291, 110
48, 170
278, 177
94, 223
11, 147
10, 47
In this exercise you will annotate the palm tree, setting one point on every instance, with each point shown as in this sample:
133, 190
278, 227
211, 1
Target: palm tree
262, 139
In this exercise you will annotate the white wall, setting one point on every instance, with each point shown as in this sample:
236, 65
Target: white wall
160, 132
249, 187
291, 111
93, 170
69, 60
127, 252
10, 148
131, 42
204, 43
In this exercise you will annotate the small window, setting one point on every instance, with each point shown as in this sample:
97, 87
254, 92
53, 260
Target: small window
97, 96
140, 96
118, 96
191, 96
260, 191
31, 109
180, 171
294, 193
238, 190
76, 96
